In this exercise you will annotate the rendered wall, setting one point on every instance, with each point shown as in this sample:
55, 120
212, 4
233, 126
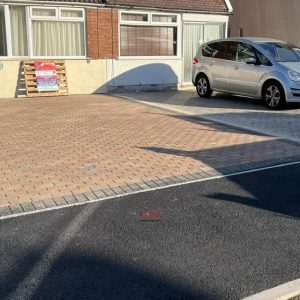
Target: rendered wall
9, 78
143, 74
83, 77
86, 77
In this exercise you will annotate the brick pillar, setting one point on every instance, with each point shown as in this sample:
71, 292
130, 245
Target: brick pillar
102, 28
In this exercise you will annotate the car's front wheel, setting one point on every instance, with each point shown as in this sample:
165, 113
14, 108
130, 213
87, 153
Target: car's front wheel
203, 87
274, 95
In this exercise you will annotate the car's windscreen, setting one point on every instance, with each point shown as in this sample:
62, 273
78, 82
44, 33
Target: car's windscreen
282, 52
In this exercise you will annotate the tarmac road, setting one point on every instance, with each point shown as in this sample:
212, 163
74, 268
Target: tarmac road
220, 239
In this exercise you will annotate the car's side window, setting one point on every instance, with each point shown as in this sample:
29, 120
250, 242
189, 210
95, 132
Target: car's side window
207, 50
223, 50
263, 59
244, 52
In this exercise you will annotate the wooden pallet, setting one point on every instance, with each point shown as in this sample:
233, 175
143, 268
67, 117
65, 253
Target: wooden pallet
31, 84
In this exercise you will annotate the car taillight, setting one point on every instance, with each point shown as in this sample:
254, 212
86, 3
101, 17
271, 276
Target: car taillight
195, 61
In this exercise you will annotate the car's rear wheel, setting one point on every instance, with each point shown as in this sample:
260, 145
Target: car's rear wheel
203, 87
274, 96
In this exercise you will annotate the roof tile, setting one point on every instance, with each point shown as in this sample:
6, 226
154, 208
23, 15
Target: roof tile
191, 5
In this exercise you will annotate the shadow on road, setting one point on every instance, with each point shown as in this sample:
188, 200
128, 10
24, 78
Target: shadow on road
247, 155
80, 276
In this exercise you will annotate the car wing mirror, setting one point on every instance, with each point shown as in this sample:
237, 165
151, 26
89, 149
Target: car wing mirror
251, 61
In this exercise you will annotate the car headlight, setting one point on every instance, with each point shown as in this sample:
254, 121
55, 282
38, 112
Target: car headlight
295, 76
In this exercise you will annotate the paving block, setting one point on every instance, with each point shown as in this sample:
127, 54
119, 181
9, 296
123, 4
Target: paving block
159, 182
135, 187
144, 185
49, 203
16, 209
126, 188
167, 181
100, 194
5, 211
27, 207
60, 201
117, 190
109, 192
38, 205
90, 196
81, 198
70, 199
152, 184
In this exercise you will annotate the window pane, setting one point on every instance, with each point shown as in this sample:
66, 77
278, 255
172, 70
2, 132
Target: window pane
224, 50
135, 17
263, 59
207, 50
213, 32
18, 30
164, 18
148, 41
192, 39
245, 51
71, 13
40, 12
58, 38
3, 47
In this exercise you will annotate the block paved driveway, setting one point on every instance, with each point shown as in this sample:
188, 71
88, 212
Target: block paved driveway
231, 110
55, 151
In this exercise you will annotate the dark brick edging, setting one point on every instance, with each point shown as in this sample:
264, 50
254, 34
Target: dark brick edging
10, 210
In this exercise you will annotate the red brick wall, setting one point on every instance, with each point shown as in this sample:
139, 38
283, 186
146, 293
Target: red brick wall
102, 33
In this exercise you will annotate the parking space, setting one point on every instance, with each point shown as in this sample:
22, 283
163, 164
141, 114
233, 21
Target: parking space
56, 151
242, 112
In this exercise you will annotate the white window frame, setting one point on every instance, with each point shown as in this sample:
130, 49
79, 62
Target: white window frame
71, 18
57, 18
29, 19
164, 23
7, 32
134, 13
150, 23
32, 17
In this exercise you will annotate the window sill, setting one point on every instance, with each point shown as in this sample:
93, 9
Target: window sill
149, 58
5, 58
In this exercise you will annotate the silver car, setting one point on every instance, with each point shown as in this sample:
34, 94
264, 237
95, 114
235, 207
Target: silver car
253, 67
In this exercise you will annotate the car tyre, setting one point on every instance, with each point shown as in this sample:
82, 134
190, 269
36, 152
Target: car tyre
203, 87
274, 96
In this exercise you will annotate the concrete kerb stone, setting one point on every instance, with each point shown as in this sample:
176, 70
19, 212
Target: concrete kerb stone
40, 205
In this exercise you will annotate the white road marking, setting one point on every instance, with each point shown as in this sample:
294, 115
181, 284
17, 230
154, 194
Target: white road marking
152, 189
282, 292
27, 287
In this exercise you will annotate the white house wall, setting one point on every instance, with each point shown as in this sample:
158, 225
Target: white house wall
83, 77
143, 73
137, 73
205, 18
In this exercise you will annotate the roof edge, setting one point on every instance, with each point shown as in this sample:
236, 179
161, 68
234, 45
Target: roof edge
229, 6
208, 12
101, 4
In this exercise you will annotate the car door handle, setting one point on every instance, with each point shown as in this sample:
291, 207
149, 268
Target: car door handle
236, 67
211, 63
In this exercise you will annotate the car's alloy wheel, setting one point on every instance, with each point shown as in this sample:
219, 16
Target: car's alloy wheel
203, 87
274, 96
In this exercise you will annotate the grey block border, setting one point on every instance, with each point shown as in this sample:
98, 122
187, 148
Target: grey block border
112, 192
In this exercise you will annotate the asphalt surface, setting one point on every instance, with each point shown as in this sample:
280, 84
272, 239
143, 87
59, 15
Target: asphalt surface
220, 239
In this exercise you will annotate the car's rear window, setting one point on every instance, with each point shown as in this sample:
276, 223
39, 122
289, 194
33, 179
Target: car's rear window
207, 50
221, 50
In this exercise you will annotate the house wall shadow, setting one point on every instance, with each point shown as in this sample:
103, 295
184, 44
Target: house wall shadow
147, 77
